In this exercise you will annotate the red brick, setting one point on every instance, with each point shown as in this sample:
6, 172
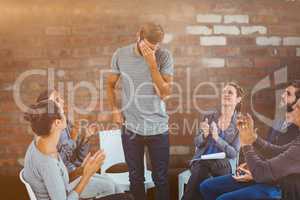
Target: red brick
29, 53
240, 41
81, 52
267, 62
186, 61
43, 63
8, 107
5, 54
254, 52
264, 19
86, 30
186, 40
58, 52
195, 50
239, 62
225, 51
58, 31
70, 63
286, 30
57, 41
282, 52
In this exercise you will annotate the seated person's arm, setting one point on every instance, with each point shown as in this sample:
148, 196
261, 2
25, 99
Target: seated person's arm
201, 139
65, 153
81, 151
231, 150
54, 183
79, 170
286, 163
266, 148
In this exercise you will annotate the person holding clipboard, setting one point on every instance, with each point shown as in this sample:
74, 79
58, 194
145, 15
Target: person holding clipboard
218, 133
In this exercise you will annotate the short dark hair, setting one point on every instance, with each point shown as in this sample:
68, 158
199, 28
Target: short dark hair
42, 115
153, 32
295, 84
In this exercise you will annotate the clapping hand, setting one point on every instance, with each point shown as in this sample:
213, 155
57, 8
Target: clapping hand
91, 130
87, 157
93, 163
205, 127
246, 129
214, 131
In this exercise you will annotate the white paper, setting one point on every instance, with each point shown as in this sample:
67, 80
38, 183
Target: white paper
212, 156
221, 155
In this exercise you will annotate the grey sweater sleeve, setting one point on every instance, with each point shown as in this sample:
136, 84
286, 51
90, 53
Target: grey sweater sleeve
231, 150
287, 162
53, 180
199, 140
268, 148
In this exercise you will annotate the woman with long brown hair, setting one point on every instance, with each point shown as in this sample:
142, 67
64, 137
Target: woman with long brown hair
218, 133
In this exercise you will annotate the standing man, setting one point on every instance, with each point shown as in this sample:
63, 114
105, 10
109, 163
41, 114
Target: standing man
146, 72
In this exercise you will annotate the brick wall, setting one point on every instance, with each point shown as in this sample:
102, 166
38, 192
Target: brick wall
212, 41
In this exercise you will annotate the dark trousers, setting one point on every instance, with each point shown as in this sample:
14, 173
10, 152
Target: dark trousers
227, 188
158, 148
121, 196
201, 170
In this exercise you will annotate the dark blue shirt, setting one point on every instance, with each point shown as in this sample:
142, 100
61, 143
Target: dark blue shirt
72, 152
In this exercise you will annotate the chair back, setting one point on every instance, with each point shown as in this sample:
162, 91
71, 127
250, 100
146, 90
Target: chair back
28, 187
110, 141
234, 162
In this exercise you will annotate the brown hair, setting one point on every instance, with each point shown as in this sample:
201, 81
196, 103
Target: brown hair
296, 84
153, 32
240, 93
45, 95
42, 115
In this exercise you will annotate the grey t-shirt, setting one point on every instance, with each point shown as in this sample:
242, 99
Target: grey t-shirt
144, 111
47, 176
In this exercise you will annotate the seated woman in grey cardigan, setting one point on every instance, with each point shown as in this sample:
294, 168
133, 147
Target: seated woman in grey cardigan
218, 133
73, 147
44, 169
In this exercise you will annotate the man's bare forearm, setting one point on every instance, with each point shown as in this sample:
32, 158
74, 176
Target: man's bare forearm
161, 85
82, 184
112, 98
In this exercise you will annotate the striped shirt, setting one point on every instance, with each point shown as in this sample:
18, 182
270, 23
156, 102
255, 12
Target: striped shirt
144, 111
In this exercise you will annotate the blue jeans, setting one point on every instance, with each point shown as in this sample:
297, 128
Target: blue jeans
158, 148
227, 188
